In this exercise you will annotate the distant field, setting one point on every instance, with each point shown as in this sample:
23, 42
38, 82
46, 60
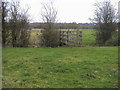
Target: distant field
78, 67
88, 36
35, 37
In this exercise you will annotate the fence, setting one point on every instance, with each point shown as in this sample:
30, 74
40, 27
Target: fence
70, 38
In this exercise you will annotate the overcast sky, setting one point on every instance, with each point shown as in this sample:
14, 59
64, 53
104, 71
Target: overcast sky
68, 10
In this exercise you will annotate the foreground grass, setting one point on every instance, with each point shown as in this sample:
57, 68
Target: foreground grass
80, 67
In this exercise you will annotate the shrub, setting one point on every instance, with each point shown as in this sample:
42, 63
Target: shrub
50, 38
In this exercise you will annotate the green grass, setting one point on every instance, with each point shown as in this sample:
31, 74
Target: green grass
89, 37
78, 67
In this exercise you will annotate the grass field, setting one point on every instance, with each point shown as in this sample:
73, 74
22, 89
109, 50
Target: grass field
65, 67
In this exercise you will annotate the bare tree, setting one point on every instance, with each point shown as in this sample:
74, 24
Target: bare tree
1, 43
0, 26
105, 17
119, 23
19, 25
49, 13
24, 32
14, 21
5, 28
50, 36
119, 33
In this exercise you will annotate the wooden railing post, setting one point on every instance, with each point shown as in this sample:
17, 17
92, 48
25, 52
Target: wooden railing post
0, 44
80, 41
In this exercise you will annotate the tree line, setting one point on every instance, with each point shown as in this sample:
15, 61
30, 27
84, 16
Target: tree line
16, 33
72, 25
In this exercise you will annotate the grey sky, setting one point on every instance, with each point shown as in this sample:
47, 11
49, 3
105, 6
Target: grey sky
68, 10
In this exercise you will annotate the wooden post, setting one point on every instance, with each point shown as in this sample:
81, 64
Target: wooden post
0, 23
60, 36
67, 37
77, 38
0, 44
63, 37
80, 43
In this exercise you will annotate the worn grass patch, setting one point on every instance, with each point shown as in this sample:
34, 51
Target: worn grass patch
80, 67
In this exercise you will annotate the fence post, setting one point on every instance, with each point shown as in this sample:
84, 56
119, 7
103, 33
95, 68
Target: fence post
0, 44
60, 37
77, 38
67, 37
80, 43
